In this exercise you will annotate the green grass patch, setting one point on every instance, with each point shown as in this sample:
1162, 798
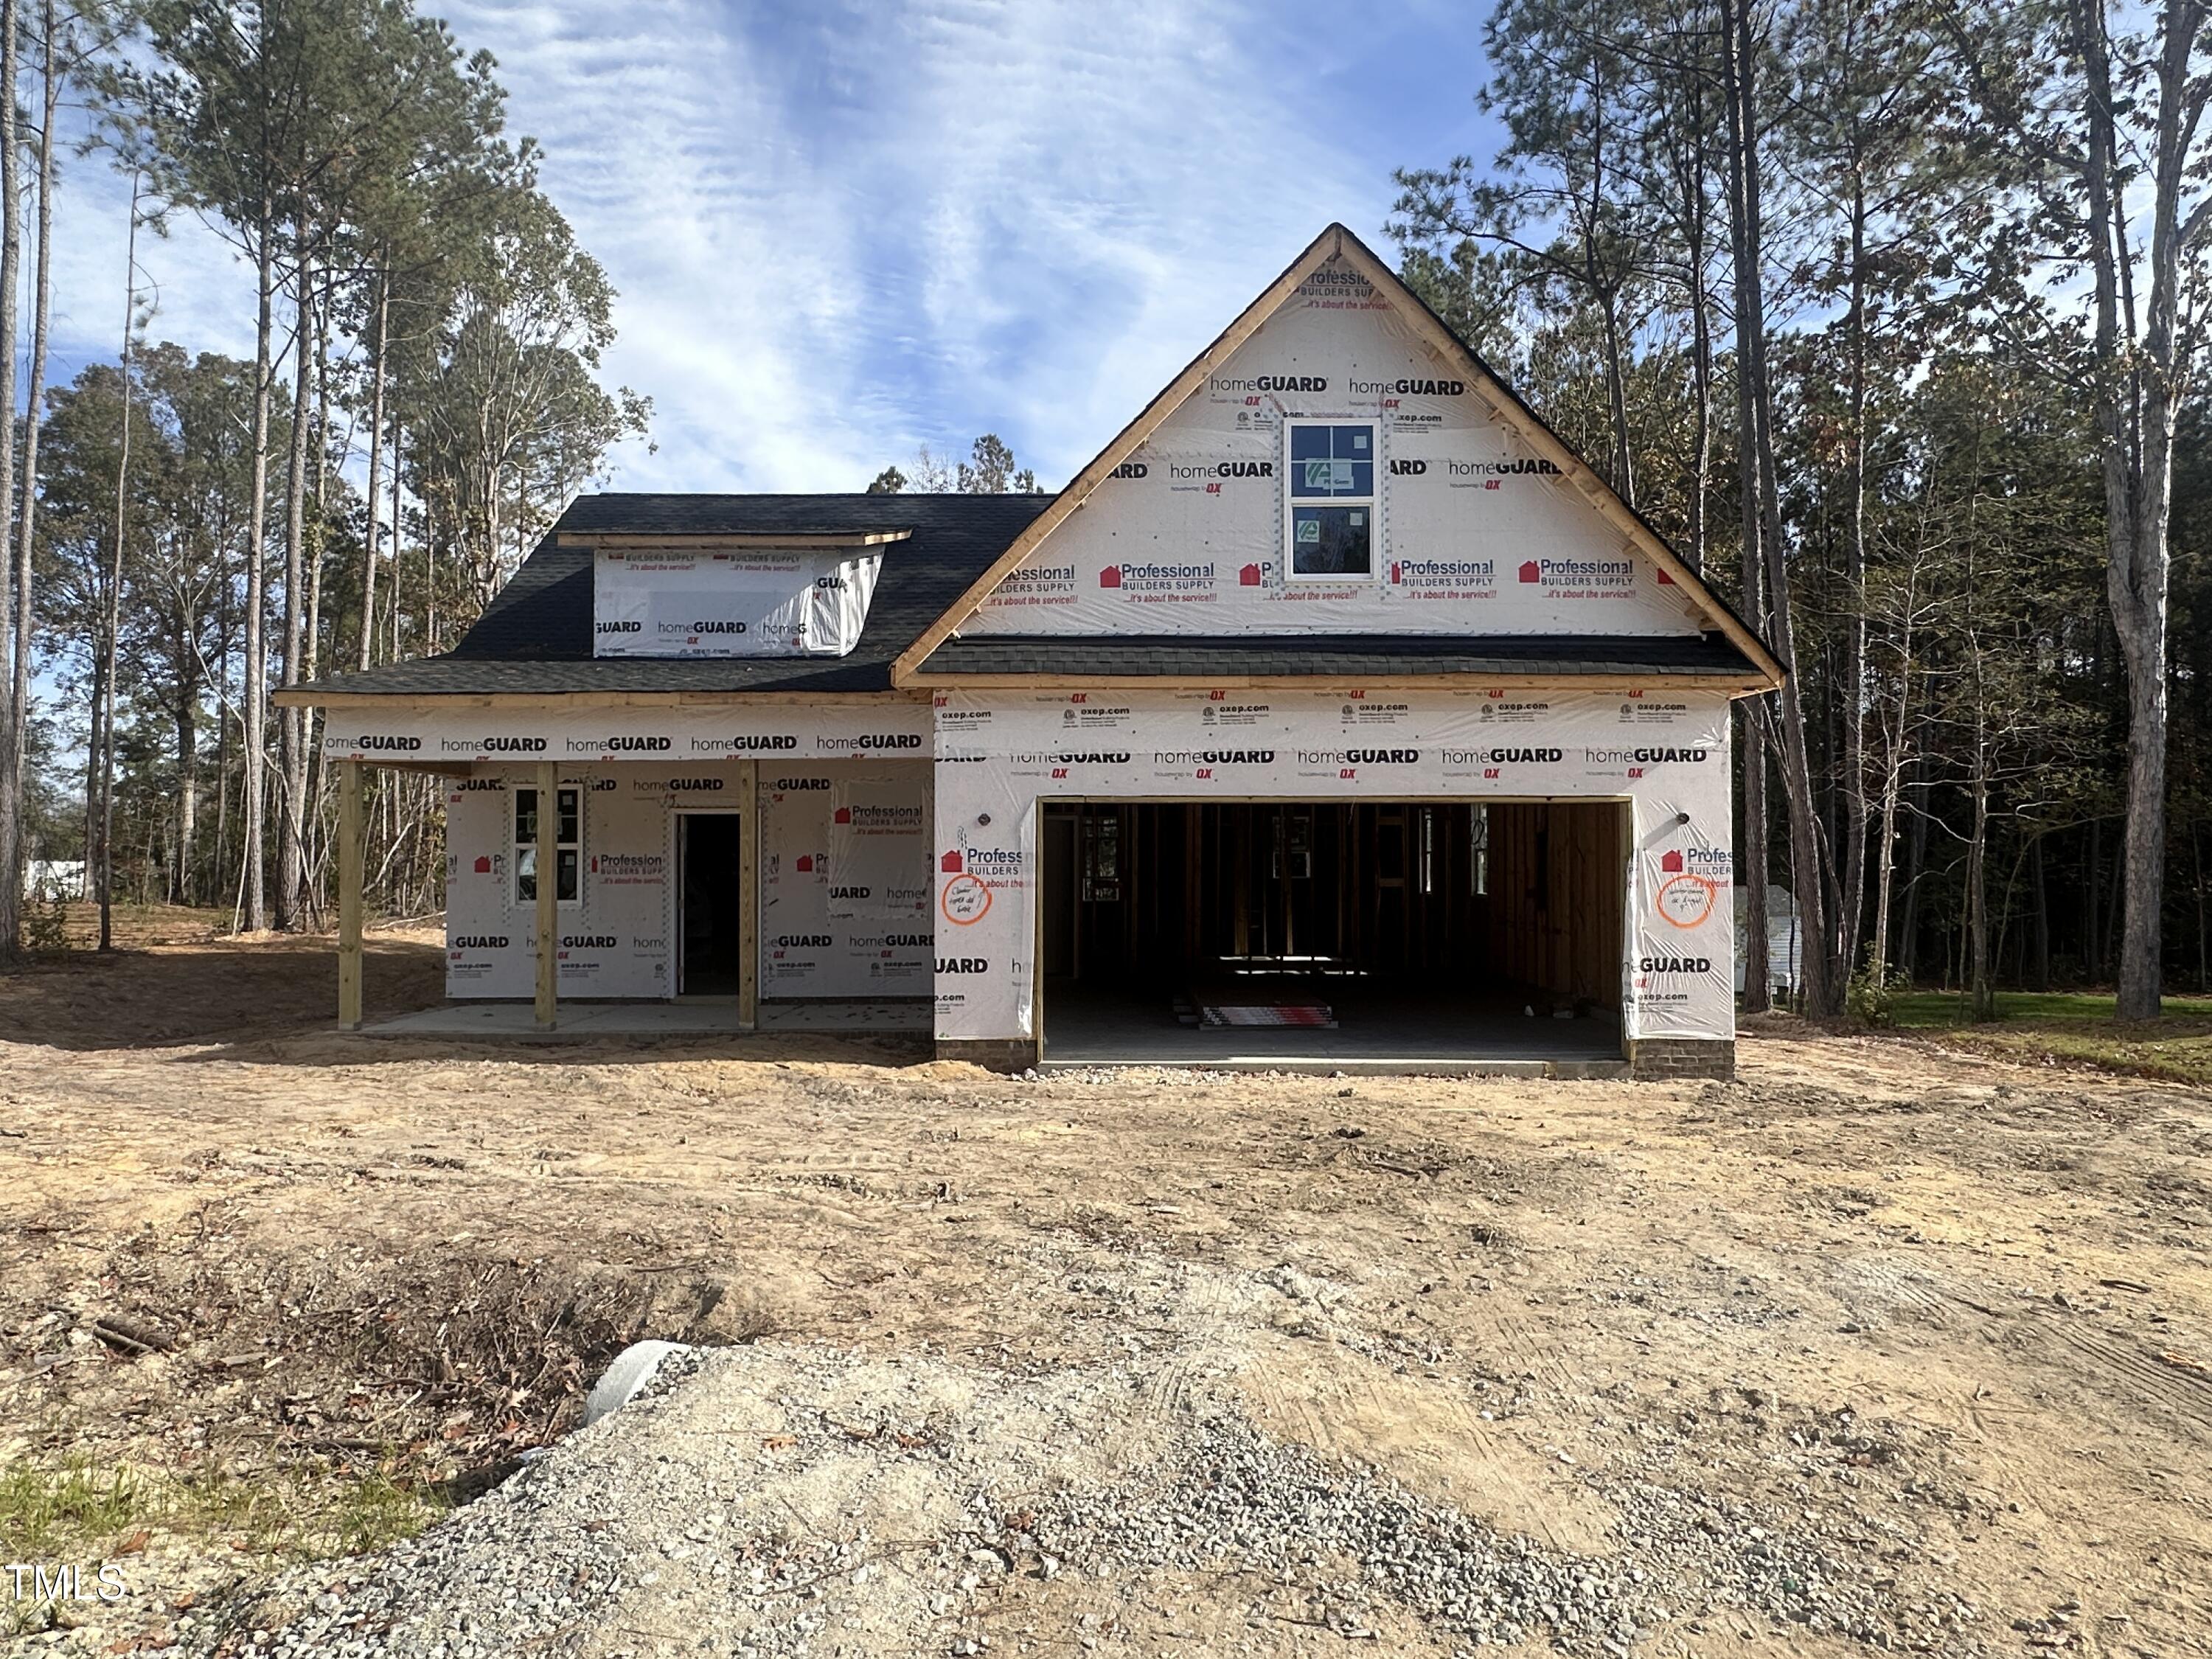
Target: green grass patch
84, 1512
2074, 1027
1927, 1010
50, 1514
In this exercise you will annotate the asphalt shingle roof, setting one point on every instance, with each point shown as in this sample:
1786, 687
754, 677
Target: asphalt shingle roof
536, 636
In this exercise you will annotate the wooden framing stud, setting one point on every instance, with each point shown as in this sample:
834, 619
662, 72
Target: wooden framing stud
547, 853
350, 877
749, 855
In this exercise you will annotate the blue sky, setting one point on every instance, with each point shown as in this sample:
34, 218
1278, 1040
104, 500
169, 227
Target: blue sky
843, 230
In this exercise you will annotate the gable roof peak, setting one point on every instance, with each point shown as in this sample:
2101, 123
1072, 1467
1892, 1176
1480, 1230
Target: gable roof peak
1338, 241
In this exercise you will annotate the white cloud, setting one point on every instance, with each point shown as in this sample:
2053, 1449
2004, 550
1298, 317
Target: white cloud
840, 231
843, 232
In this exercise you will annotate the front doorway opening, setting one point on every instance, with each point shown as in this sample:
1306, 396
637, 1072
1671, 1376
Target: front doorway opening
710, 924
1333, 933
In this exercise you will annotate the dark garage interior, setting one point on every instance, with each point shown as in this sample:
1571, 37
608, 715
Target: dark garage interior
1322, 932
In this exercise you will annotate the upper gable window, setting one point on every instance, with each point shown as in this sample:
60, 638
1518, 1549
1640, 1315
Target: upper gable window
1330, 512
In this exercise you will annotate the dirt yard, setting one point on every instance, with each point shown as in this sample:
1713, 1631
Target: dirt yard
1879, 1346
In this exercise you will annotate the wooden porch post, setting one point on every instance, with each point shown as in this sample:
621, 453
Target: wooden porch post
547, 856
350, 884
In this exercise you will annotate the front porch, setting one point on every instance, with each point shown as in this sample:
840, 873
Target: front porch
590, 1022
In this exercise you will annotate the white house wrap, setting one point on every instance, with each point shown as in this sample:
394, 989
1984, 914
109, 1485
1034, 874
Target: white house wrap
1667, 756
1334, 694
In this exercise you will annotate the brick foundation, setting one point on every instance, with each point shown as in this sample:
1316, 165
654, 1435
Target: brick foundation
1654, 1059
993, 1053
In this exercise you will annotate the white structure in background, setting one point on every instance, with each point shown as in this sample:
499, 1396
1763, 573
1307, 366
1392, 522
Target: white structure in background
46, 880
1784, 949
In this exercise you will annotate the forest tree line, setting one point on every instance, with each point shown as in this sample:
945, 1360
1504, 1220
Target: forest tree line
1884, 313
191, 532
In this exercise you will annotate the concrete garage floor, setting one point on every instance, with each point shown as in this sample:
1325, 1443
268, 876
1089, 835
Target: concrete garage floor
587, 1021
1380, 1030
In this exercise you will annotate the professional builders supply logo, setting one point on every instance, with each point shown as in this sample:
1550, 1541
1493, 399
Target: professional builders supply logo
895, 818
969, 876
1160, 584
1444, 579
1036, 584
1692, 880
629, 869
1580, 578
1333, 288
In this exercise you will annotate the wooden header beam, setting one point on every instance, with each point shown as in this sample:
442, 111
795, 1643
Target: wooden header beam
1738, 685
704, 541
449, 702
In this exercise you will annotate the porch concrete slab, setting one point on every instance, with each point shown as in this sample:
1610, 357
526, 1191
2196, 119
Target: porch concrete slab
835, 1014
587, 1022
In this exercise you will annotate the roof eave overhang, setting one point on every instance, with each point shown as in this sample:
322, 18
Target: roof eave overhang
1732, 685
766, 541
308, 696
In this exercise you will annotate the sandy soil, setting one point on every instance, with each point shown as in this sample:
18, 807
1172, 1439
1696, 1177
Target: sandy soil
1963, 1307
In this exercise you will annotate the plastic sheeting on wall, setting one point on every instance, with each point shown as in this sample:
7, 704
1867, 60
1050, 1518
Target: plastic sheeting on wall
844, 888
1666, 753
615, 935
678, 603
845, 885
1468, 531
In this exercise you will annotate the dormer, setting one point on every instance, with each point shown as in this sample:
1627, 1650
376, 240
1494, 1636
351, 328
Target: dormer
802, 593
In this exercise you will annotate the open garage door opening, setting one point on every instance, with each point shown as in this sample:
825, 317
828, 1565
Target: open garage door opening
1334, 934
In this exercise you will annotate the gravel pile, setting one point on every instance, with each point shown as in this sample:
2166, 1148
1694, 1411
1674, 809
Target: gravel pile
780, 1500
